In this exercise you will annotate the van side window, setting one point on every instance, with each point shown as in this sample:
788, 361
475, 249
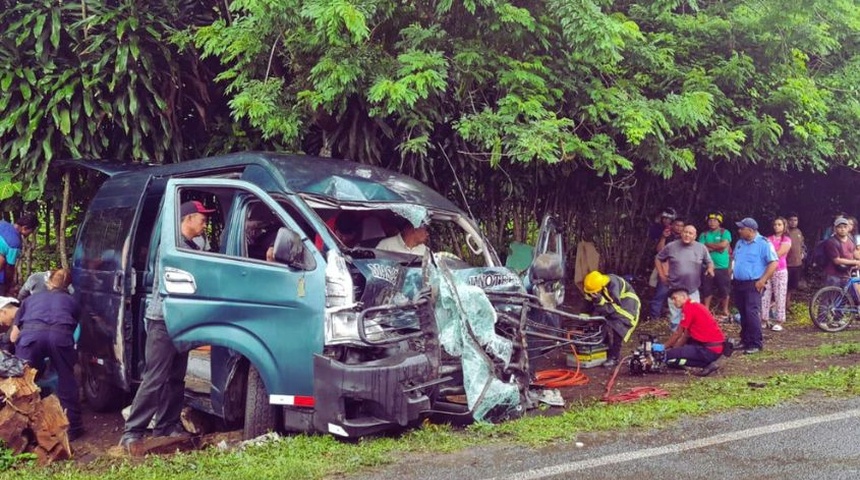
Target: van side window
105, 234
261, 228
210, 239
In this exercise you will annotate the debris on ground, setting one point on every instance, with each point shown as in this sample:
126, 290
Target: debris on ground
29, 423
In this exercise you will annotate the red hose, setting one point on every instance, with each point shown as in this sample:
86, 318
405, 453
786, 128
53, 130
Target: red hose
634, 394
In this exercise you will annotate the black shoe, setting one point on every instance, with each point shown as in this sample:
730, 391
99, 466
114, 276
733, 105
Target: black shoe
170, 431
128, 438
752, 350
708, 369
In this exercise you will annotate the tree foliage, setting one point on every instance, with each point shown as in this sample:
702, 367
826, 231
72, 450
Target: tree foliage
594, 109
572, 99
96, 79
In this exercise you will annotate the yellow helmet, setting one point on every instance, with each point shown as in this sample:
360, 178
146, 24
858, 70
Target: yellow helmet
595, 281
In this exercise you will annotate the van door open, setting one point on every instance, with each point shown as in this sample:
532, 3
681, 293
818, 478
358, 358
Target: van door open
104, 280
228, 294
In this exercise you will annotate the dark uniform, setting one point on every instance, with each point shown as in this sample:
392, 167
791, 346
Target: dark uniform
619, 304
47, 321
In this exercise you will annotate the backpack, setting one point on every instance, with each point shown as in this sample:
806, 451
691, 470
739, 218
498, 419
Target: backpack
819, 254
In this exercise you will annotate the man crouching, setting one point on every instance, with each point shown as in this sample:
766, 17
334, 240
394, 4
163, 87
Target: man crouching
699, 341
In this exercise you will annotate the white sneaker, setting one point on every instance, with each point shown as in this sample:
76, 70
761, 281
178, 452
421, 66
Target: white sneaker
776, 327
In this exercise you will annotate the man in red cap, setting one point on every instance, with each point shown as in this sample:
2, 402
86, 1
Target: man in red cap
162, 390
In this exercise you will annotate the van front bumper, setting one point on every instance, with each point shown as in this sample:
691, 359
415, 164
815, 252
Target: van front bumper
353, 400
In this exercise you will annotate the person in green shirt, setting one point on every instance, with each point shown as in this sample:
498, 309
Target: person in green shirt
718, 241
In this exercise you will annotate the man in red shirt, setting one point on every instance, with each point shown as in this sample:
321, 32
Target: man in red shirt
698, 342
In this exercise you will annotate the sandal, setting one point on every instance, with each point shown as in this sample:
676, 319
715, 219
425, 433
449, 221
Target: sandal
776, 327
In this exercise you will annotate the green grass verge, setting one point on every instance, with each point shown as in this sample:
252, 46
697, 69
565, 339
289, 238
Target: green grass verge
311, 457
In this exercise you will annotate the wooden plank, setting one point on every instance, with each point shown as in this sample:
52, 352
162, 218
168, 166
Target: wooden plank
50, 426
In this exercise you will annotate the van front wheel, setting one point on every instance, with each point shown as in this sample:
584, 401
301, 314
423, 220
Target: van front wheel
260, 416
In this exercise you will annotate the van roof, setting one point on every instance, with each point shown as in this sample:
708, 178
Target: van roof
339, 180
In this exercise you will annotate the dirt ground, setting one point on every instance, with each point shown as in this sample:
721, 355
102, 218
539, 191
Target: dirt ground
103, 430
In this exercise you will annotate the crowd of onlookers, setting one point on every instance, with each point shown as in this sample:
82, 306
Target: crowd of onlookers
703, 265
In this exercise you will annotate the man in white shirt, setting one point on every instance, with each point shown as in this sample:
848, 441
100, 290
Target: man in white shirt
410, 240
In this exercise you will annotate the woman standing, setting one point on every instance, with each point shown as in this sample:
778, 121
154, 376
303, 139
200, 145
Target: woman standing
46, 322
777, 286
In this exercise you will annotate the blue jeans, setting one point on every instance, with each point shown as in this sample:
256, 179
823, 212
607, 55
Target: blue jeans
659, 299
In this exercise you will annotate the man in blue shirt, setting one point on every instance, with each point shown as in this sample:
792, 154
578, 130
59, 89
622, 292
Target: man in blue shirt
11, 236
754, 262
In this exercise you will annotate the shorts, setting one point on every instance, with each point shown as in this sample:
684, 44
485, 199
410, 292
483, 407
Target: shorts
718, 286
794, 274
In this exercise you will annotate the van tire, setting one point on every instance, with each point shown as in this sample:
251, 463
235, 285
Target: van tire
99, 394
260, 416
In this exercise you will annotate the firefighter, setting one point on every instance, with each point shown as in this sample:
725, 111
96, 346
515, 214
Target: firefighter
614, 299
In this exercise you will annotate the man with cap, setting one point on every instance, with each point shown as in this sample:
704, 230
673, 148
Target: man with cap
698, 341
11, 239
161, 393
614, 299
718, 241
839, 250
755, 260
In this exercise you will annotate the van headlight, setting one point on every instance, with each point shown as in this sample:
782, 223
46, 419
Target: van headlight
342, 327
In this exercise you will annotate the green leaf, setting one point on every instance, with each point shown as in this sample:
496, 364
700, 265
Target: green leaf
9, 189
65, 124
47, 149
55, 28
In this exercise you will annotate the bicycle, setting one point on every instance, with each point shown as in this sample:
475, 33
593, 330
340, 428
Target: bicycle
833, 308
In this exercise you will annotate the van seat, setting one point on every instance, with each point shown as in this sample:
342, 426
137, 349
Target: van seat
371, 232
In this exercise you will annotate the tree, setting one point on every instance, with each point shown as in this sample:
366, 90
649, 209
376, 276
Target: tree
597, 105
96, 79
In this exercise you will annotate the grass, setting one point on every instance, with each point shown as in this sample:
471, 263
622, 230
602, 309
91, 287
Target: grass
312, 457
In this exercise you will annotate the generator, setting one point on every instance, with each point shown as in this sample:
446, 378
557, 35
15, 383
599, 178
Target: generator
649, 357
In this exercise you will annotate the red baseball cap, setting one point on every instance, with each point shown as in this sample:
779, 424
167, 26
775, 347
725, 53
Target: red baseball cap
193, 206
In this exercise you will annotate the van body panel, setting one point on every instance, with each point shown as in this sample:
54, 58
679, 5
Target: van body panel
255, 308
105, 280
356, 339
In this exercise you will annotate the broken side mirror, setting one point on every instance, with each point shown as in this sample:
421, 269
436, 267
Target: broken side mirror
291, 251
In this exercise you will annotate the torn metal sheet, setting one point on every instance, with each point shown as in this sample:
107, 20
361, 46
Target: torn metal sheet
466, 320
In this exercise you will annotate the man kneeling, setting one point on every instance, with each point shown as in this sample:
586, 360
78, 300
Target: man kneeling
699, 340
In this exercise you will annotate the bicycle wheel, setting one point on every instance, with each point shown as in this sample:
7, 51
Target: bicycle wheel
831, 310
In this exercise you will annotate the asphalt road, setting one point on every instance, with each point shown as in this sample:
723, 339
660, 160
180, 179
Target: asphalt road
815, 439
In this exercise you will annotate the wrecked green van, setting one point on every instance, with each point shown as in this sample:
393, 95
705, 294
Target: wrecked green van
320, 335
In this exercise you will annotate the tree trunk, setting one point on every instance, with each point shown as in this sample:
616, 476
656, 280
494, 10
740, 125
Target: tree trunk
61, 234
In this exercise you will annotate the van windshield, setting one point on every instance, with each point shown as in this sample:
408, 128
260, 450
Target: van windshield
404, 233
